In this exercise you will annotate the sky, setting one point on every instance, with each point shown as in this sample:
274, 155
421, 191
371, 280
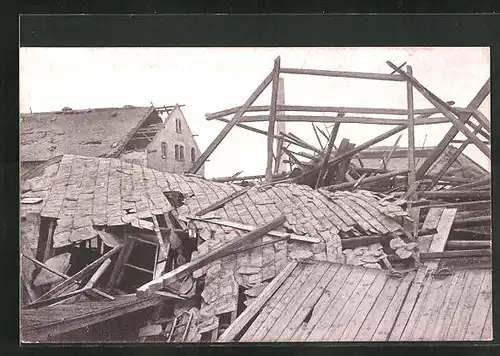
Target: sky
206, 80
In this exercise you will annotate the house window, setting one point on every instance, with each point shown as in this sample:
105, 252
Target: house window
179, 152
163, 150
178, 126
193, 154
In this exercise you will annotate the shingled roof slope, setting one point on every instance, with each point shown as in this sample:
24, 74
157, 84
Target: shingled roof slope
87, 192
91, 132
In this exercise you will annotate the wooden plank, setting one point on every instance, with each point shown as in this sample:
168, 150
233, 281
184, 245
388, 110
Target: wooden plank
281, 306
481, 309
408, 305
487, 334
163, 250
325, 301
342, 74
272, 302
378, 310
249, 313
236, 118
77, 276
384, 328
308, 304
453, 131
428, 316
272, 120
246, 227
441, 237
364, 308
337, 329
49, 241
411, 134
445, 315
466, 305
274, 333
211, 256
340, 301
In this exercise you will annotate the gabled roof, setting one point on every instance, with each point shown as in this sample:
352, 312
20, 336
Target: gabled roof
91, 132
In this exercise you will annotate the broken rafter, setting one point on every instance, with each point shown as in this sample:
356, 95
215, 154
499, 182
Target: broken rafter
272, 119
456, 194
236, 118
486, 181
211, 256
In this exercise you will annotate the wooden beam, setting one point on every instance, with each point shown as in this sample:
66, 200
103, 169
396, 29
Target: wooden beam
326, 156
333, 109
299, 142
279, 154
463, 206
358, 149
49, 241
414, 212
317, 136
448, 254
251, 311
342, 74
473, 185
163, 250
272, 119
220, 203
455, 194
342, 167
236, 118
467, 244
368, 180
385, 160
246, 227
117, 272
439, 240
77, 276
211, 256
344, 119
453, 131
474, 221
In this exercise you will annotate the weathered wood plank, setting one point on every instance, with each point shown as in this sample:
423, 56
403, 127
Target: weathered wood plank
408, 305
337, 329
378, 310
308, 304
480, 313
273, 301
272, 120
335, 308
241, 321
281, 306
391, 314
461, 320
274, 334
364, 308
487, 333
441, 237
325, 301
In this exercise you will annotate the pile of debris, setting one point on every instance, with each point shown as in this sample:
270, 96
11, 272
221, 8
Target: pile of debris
343, 247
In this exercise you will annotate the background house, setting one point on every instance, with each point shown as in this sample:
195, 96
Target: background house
158, 138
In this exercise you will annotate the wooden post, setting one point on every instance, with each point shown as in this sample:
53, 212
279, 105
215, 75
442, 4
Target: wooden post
203, 157
279, 154
328, 152
411, 152
272, 119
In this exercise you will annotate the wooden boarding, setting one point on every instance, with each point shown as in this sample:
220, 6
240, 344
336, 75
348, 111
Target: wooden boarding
272, 303
431, 222
242, 320
391, 314
296, 301
338, 327
481, 310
